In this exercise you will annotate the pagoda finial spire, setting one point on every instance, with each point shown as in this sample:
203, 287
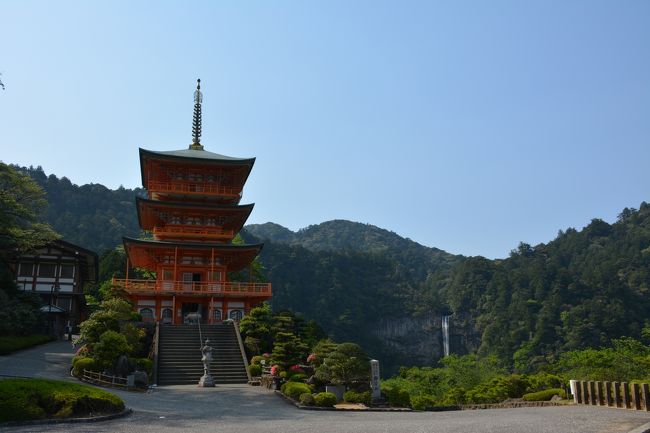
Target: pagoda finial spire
196, 121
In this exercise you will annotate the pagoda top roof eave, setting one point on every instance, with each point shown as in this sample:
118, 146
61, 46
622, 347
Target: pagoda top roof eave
164, 244
194, 155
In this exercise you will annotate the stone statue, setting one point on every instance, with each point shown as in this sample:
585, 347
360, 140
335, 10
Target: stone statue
206, 351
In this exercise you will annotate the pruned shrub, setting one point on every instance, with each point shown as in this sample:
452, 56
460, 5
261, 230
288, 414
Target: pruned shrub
255, 370
257, 360
357, 397
81, 363
422, 402
298, 377
144, 364
294, 389
545, 395
396, 396
307, 399
325, 399
497, 389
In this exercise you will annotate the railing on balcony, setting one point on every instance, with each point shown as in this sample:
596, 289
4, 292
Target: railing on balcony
201, 188
152, 287
192, 232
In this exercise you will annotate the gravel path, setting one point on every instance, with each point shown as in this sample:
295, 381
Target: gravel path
241, 408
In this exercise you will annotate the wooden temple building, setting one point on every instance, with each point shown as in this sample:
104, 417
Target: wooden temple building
192, 209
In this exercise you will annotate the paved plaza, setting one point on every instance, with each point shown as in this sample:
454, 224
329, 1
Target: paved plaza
241, 408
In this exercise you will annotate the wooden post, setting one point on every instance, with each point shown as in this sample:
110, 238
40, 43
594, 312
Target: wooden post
585, 391
617, 394
599, 393
636, 397
127, 271
646, 396
592, 393
608, 394
626, 394
175, 270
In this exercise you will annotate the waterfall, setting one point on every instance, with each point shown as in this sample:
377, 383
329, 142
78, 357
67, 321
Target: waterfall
445, 334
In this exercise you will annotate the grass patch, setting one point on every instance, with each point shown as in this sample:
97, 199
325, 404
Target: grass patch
29, 399
11, 343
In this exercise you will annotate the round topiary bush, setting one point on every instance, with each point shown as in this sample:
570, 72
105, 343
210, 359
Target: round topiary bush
325, 399
357, 397
81, 363
255, 370
545, 395
307, 399
295, 389
145, 364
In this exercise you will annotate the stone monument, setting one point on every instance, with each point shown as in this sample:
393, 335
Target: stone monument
374, 381
206, 380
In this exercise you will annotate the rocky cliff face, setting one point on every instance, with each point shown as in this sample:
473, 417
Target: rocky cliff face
419, 340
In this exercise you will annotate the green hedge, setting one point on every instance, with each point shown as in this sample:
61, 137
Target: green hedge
81, 363
307, 399
255, 370
325, 399
11, 343
422, 402
396, 396
545, 395
28, 399
294, 389
357, 397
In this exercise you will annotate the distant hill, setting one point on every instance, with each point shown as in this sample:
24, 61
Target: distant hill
90, 215
369, 285
348, 236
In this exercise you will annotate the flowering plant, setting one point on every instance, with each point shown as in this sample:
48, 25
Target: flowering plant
275, 369
266, 355
295, 368
311, 358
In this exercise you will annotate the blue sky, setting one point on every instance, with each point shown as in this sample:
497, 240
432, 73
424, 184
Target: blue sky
468, 126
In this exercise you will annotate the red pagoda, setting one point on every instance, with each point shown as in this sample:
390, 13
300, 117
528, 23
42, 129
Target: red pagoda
192, 208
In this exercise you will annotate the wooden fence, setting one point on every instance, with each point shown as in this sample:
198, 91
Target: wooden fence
106, 380
635, 396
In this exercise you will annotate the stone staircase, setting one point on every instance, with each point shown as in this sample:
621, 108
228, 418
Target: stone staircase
179, 354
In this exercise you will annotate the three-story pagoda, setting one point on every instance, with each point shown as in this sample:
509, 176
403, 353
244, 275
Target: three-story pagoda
192, 209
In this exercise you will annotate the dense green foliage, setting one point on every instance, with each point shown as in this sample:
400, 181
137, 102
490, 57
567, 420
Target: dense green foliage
29, 399
581, 290
21, 203
357, 397
91, 215
11, 343
346, 365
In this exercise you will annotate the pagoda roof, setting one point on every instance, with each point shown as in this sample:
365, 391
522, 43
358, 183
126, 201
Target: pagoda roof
235, 257
193, 156
206, 208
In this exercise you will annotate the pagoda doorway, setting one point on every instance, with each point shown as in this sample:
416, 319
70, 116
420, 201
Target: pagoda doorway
194, 312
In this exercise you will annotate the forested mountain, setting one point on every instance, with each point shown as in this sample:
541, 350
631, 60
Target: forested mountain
580, 290
351, 237
368, 285
90, 215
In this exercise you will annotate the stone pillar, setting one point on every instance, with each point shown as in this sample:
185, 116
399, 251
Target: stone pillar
574, 391
599, 393
645, 392
608, 394
592, 393
374, 380
617, 394
636, 397
626, 394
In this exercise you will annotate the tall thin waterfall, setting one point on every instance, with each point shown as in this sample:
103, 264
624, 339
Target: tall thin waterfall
445, 334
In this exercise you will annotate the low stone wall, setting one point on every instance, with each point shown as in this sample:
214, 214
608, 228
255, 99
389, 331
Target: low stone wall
635, 396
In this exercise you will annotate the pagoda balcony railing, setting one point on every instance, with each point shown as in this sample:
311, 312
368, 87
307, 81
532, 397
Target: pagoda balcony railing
199, 188
223, 288
184, 231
